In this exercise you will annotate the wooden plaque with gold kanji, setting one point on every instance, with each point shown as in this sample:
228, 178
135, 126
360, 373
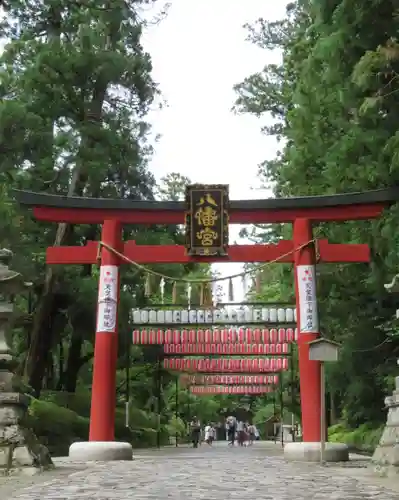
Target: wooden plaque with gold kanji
207, 220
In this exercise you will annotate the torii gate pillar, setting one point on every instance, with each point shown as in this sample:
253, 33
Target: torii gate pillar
308, 329
309, 450
102, 445
102, 413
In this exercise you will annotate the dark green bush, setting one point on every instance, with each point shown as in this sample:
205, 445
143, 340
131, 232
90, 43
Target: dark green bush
57, 424
364, 438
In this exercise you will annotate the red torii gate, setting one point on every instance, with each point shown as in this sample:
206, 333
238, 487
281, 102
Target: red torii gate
301, 212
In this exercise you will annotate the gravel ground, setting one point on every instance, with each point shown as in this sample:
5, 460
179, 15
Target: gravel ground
206, 473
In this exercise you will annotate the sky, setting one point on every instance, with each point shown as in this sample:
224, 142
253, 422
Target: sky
199, 53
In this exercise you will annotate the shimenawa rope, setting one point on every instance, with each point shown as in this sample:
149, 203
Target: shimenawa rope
102, 244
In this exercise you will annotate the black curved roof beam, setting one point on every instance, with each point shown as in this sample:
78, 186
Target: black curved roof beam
348, 206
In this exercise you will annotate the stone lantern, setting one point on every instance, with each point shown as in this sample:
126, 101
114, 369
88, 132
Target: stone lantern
19, 448
386, 455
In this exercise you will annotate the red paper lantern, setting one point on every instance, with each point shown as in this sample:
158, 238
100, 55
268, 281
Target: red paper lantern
227, 365
220, 389
225, 336
230, 379
228, 349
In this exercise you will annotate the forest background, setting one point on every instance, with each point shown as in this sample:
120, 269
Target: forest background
333, 100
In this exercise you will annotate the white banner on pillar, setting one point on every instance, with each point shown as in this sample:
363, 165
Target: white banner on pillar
309, 321
107, 299
106, 317
108, 286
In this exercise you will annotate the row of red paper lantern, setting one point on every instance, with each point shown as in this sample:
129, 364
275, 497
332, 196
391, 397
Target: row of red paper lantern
239, 389
249, 349
226, 365
229, 379
224, 336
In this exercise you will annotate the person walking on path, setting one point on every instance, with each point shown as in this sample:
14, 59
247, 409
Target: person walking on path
241, 433
231, 429
212, 433
195, 427
208, 434
251, 434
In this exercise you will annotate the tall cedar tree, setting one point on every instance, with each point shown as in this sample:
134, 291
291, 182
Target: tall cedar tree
75, 88
333, 100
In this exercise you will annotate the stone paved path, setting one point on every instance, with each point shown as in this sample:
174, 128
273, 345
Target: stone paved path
218, 473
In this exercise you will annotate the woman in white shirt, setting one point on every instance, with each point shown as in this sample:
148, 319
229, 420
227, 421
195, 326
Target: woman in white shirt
208, 431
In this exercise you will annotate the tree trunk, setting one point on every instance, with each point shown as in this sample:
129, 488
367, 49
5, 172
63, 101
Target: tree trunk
49, 376
36, 352
39, 366
333, 412
61, 362
71, 380
73, 363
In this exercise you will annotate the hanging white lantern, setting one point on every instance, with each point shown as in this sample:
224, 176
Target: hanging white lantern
232, 315
217, 316
162, 289
225, 316
257, 314
240, 315
200, 316
265, 314
152, 316
137, 316
192, 316
281, 315
208, 316
188, 291
273, 315
289, 315
176, 316
248, 315
184, 316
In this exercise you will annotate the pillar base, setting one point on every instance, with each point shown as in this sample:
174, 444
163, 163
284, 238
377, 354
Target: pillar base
100, 451
310, 452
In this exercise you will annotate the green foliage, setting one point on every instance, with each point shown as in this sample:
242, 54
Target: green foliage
334, 100
364, 438
263, 414
59, 419
176, 427
55, 426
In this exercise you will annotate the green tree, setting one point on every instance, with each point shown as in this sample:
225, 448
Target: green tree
173, 187
333, 99
75, 88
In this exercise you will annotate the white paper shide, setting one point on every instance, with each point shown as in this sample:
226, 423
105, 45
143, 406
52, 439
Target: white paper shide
107, 299
309, 321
